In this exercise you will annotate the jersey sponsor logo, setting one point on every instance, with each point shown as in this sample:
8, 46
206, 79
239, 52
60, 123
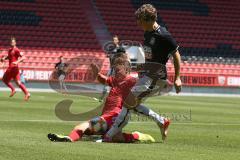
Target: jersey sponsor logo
221, 80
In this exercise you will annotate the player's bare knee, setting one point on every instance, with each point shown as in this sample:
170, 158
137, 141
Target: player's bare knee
130, 102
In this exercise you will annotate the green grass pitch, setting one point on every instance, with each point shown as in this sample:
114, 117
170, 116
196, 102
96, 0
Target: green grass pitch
210, 131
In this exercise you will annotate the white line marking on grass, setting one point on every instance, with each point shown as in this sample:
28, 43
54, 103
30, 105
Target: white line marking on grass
177, 123
49, 90
31, 90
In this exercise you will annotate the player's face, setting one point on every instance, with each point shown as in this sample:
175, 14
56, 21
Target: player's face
120, 71
13, 43
115, 40
145, 25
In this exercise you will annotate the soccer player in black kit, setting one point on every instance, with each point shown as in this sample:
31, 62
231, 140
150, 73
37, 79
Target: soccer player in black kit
61, 70
159, 46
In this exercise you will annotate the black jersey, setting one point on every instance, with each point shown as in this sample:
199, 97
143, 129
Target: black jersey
115, 51
61, 67
159, 45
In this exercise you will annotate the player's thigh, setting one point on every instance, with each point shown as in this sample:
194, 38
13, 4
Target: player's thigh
16, 78
15, 73
125, 120
7, 76
138, 92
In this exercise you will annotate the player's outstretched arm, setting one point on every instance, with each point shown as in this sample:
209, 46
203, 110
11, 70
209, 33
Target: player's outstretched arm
177, 81
4, 58
100, 77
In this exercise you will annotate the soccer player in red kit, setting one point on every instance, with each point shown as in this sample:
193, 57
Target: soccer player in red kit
15, 57
121, 84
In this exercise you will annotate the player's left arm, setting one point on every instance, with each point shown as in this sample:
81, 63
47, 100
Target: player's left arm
177, 80
173, 47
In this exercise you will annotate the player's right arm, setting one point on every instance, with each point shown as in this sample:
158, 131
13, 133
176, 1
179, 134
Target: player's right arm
4, 58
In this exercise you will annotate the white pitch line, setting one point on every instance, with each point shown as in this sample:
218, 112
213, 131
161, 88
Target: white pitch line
170, 94
149, 122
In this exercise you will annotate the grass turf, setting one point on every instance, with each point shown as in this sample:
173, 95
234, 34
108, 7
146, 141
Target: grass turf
211, 130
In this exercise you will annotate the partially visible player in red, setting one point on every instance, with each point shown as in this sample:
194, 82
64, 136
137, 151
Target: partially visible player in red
121, 84
15, 57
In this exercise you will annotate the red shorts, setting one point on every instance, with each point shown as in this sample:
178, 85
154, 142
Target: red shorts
11, 73
109, 118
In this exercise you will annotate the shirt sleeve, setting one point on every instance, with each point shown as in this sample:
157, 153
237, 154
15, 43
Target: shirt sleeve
131, 82
169, 41
109, 81
170, 44
17, 53
173, 46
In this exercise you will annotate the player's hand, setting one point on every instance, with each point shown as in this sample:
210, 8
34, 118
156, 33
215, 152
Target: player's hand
2, 59
1, 64
178, 85
95, 69
15, 63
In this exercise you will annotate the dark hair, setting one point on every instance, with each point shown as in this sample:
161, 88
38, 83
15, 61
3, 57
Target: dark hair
13, 38
115, 36
121, 50
147, 13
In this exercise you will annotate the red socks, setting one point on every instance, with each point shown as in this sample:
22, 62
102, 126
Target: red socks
129, 137
75, 135
23, 88
10, 86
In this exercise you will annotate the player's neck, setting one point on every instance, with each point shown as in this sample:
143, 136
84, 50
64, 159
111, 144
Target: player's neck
155, 26
152, 27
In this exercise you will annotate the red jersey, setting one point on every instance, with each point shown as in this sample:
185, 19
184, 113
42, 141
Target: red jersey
13, 55
119, 91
